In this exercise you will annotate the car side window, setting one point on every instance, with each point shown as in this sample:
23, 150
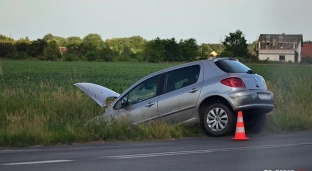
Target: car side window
182, 77
143, 91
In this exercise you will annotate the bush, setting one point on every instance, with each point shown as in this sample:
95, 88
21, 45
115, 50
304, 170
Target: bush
51, 51
91, 56
69, 57
42, 58
125, 58
225, 54
7, 48
17, 56
203, 58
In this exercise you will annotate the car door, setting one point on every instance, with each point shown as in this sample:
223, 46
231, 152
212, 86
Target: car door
181, 92
141, 101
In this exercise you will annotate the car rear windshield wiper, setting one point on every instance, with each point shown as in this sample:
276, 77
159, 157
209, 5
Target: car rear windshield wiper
251, 72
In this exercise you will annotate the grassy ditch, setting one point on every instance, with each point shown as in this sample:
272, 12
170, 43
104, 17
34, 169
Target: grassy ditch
60, 117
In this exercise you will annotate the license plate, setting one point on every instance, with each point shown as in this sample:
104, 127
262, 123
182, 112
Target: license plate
264, 96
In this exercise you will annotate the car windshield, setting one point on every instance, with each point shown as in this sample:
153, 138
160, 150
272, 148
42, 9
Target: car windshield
232, 66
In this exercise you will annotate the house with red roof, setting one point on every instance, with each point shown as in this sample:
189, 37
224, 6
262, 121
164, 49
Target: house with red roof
306, 50
62, 49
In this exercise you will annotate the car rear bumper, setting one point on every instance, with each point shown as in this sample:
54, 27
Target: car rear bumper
258, 101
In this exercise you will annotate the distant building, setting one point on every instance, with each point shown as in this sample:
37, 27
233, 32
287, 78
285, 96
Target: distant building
62, 49
211, 55
279, 47
306, 50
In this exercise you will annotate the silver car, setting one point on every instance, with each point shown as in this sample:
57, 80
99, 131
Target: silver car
208, 92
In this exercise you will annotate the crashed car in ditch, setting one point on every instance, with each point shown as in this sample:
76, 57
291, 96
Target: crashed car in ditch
208, 92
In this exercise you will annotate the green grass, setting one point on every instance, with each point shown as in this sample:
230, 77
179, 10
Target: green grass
40, 105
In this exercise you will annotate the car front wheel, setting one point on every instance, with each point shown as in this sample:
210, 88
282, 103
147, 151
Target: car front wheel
218, 120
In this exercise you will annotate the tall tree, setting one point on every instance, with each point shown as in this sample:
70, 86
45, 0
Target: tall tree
22, 45
47, 37
51, 51
136, 44
5, 38
7, 48
36, 47
107, 54
190, 49
73, 47
236, 44
73, 41
91, 42
204, 49
115, 45
155, 50
252, 48
172, 50
60, 41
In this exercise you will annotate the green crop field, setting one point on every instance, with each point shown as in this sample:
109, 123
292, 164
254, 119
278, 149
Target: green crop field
40, 105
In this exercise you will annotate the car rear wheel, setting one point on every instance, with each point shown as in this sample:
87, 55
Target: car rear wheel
255, 123
218, 120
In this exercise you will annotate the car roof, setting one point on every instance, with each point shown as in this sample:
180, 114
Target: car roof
193, 63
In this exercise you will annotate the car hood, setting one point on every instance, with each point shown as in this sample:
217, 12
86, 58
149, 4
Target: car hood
98, 93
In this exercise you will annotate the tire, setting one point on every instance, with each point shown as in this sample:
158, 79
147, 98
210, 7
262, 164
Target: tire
256, 123
211, 123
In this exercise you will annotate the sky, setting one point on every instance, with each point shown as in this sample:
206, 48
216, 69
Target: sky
207, 21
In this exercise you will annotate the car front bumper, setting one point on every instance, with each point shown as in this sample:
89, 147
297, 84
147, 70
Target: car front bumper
258, 101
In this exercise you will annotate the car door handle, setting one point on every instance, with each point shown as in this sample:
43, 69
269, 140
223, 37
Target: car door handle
193, 90
149, 104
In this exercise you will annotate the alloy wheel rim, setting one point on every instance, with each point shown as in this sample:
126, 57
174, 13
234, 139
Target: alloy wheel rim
217, 119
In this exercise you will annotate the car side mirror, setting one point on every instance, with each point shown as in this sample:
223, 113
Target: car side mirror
123, 104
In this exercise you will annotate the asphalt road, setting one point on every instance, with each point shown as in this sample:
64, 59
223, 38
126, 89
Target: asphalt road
291, 151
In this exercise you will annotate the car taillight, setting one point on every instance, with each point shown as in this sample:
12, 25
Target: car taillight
234, 82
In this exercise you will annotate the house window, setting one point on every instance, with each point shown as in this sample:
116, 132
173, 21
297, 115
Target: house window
282, 58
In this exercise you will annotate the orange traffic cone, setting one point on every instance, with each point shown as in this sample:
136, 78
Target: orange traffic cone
240, 128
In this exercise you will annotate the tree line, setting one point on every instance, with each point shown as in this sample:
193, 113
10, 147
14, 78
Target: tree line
93, 48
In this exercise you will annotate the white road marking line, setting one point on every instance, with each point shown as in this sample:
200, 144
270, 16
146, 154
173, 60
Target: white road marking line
202, 151
16, 150
80, 148
37, 162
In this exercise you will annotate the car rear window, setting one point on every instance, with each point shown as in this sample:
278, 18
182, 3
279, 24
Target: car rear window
232, 66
